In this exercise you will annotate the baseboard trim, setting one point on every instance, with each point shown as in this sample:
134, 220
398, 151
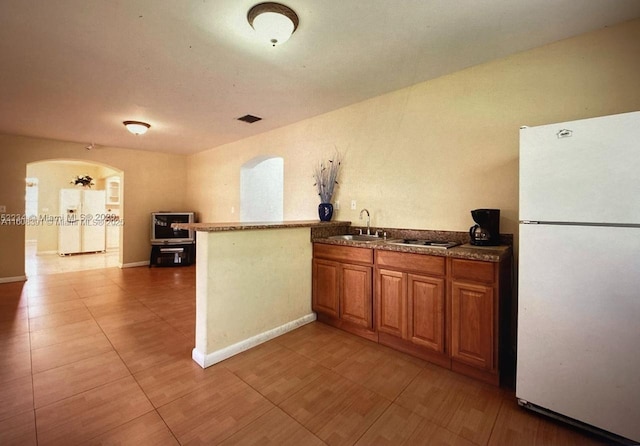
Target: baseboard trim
13, 279
212, 358
134, 264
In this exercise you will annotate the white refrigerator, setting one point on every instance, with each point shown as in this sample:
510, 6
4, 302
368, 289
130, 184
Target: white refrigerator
578, 354
82, 221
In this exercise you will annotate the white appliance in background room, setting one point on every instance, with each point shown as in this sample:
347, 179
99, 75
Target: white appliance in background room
579, 273
81, 230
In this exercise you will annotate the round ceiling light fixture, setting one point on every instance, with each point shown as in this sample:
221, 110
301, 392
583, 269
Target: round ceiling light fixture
273, 22
137, 127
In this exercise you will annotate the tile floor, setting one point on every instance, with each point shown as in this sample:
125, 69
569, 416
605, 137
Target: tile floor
103, 357
51, 263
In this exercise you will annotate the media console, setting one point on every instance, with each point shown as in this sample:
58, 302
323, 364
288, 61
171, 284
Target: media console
172, 246
172, 254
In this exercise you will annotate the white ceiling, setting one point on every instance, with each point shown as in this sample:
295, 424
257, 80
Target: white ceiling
75, 69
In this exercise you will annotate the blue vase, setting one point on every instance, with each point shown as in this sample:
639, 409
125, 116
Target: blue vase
325, 210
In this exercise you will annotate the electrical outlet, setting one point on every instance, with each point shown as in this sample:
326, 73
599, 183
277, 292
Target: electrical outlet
337, 205
353, 205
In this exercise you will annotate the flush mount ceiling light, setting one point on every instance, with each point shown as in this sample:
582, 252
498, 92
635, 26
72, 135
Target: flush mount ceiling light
137, 127
273, 22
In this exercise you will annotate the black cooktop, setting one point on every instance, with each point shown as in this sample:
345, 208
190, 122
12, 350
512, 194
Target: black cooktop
428, 243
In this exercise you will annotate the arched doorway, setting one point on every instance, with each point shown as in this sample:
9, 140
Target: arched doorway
45, 216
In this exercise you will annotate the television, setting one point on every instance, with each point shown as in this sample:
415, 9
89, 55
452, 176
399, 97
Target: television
163, 234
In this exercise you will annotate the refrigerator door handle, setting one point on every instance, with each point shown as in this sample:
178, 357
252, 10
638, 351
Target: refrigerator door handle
580, 223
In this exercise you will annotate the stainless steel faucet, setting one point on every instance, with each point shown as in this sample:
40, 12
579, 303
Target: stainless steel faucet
368, 220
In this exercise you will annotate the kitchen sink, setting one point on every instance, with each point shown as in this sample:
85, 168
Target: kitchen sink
357, 238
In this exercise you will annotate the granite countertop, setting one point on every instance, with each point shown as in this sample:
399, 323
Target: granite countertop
321, 230
240, 226
463, 251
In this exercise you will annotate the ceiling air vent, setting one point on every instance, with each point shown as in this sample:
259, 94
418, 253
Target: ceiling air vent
249, 119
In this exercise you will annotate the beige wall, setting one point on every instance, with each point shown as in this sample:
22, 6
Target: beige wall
420, 157
151, 181
424, 156
249, 283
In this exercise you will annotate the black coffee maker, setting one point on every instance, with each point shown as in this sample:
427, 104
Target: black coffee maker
487, 230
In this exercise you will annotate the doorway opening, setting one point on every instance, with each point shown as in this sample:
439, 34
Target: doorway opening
50, 227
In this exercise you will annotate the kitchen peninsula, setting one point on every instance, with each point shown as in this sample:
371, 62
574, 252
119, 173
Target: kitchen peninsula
253, 283
444, 301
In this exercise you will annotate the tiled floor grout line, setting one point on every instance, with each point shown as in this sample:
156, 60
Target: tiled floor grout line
33, 389
493, 425
374, 422
163, 319
173, 434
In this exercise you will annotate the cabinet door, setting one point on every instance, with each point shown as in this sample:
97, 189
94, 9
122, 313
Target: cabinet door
391, 303
425, 302
325, 296
355, 295
113, 190
472, 324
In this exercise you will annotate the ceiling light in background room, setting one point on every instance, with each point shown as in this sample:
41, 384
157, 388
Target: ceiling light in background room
273, 22
137, 127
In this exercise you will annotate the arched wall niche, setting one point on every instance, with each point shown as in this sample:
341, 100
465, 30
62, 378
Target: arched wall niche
262, 189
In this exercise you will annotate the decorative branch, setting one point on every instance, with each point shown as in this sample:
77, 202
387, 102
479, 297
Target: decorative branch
325, 175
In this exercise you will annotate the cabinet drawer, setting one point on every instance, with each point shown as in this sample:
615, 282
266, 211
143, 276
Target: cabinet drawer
340, 253
472, 270
411, 262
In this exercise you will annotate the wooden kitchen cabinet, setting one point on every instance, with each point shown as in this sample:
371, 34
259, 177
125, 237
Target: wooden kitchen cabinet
410, 304
472, 324
476, 311
450, 311
326, 287
426, 305
342, 288
355, 295
112, 188
391, 303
